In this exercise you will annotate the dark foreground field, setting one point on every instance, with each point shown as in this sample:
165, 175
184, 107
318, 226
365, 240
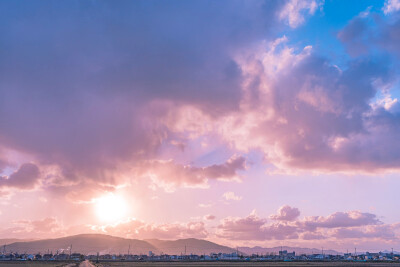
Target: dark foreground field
38, 264
227, 264
196, 264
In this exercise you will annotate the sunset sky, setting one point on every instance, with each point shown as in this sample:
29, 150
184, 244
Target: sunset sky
241, 122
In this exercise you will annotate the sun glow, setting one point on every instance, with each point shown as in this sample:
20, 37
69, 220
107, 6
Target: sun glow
111, 208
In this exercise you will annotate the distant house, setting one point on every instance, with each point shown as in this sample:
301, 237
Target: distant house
285, 253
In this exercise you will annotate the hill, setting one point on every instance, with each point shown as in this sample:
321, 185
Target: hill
85, 243
193, 246
12, 240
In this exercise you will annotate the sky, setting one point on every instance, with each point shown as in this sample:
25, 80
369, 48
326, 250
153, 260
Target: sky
247, 123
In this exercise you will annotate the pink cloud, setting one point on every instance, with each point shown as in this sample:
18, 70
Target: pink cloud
353, 224
253, 227
341, 219
312, 236
286, 213
46, 227
332, 229
209, 217
140, 229
386, 232
247, 228
169, 174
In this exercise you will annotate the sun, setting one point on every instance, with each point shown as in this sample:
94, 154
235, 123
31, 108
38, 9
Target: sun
111, 208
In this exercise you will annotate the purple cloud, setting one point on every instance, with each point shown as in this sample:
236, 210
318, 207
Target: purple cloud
87, 103
341, 219
26, 177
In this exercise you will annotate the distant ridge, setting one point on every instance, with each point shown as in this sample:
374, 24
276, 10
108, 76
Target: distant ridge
12, 240
298, 250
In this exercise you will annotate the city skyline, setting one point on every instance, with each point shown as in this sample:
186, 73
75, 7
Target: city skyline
245, 123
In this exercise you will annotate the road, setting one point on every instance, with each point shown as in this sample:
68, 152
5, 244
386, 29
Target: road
86, 263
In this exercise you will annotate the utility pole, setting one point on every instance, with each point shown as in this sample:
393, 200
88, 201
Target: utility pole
4, 249
129, 248
355, 252
70, 251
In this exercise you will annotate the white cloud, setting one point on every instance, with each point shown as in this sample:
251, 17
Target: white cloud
391, 6
231, 196
293, 11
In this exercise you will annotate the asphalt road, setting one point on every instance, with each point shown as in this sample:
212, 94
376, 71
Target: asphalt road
86, 263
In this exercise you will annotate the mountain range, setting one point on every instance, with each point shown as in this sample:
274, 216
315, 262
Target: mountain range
106, 244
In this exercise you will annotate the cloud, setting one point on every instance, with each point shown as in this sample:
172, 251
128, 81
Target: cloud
50, 227
333, 228
209, 217
391, 6
142, 230
286, 213
355, 36
253, 227
312, 236
168, 174
46, 227
247, 228
87, 103
26, 177
41, 226
205, 205
305, 113
373, 33
341, 219
231, 196
386, 232
294, 10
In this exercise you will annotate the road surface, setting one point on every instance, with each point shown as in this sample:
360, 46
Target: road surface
86, 263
